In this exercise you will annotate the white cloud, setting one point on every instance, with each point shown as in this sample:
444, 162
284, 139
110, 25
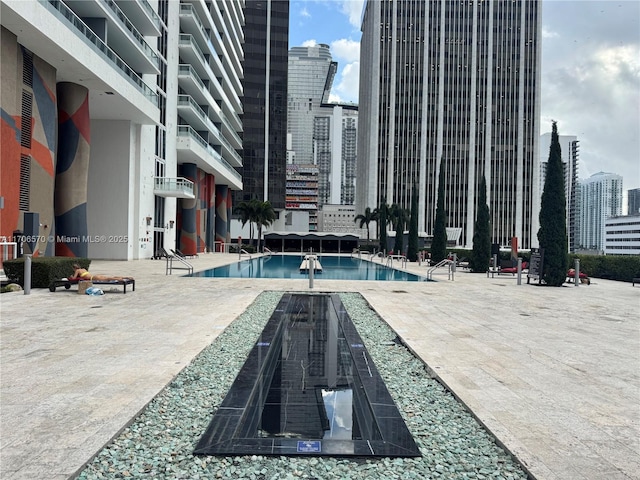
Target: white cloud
353, 10
591, 83
345, 49
309, 43
305, 13
596, 98
347, 87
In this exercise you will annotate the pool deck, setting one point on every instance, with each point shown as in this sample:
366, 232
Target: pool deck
553, 373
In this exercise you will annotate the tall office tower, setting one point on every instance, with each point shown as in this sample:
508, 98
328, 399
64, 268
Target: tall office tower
266, 35
455, 85
104, 104
570, 154
633, 201
334, 136
311, 73
600, 198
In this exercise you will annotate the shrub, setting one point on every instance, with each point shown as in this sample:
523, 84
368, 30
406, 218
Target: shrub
613, 267
44, 270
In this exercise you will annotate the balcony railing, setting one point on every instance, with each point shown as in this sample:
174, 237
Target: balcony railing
148, 51
186, 130
179, 187
152, 13
188, 70
84, 32
187, 9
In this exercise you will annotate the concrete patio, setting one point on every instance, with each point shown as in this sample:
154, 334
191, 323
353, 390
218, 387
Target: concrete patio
553, 373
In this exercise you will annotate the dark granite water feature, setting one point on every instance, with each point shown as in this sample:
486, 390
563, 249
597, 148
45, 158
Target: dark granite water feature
308, 387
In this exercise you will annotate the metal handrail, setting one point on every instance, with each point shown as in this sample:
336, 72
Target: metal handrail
170, 267
441, 263
401, 258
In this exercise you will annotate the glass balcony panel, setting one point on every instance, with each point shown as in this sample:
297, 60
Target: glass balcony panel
63, 12
178, 187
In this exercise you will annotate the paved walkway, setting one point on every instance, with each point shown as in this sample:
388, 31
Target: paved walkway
554, 373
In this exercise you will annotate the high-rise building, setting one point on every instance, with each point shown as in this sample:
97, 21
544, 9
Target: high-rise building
633, 201
570, 153
302, 192
266, 39
120, 124
600, 198
453, 85
622, 235
335, 151
311, 73
322, 134
208, 91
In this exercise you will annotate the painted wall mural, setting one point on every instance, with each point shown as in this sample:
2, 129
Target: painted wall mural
72, 170
28, 153
222, 213
187, 224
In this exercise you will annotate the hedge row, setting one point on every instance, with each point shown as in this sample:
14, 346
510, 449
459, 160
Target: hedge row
44, 270
614, 267
623, 268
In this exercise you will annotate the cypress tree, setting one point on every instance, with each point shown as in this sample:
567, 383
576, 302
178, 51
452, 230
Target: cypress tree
481, 233
439, 242
399, 240
382, 224
412, 247
552, 235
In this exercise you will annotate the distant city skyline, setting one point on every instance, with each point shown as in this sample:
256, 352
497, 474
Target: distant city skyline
590, 72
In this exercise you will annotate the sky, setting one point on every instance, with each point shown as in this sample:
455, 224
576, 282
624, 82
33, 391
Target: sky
590, 76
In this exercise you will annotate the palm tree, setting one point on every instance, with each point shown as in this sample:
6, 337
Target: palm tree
265, 215
366, 218
246, 212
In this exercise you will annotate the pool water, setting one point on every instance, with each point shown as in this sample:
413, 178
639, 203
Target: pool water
288, 266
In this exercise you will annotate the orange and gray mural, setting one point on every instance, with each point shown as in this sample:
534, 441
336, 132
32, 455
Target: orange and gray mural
223, 206
72, 170
28, 122
195, 216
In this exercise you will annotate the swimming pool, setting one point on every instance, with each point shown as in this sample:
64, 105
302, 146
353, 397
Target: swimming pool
287, 266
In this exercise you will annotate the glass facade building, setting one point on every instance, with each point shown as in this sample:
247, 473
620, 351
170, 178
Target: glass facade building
600, 198
266, 32
311, 73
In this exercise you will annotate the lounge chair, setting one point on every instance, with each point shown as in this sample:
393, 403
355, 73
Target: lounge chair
67, 282
571, 277
514, 270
